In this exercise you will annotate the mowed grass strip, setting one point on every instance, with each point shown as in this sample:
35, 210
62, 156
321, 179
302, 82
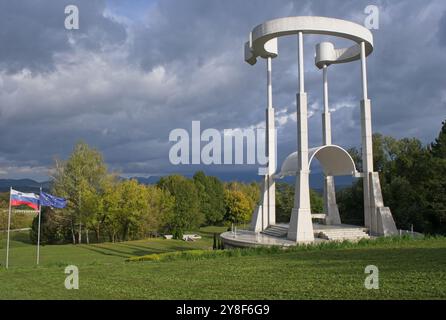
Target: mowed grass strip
408, 269
23, 253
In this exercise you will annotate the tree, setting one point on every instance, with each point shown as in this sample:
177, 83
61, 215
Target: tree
111, 204
160, 211
412, 182
438, 147
77, 179
437, 186
93, 208
238, 206
54, 228
186, 210
211, 193
351, 204
316, 202
250, 190
285, 201
133, 205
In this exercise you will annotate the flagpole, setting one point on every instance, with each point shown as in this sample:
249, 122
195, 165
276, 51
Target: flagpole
9, 227
38, 229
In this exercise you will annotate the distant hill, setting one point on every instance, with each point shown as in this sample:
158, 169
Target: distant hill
149, 180
24, 185
316, 181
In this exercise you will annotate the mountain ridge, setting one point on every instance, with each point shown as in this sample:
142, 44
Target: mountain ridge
316, 181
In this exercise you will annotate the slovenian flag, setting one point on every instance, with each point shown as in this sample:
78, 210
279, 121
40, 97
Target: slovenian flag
28, 199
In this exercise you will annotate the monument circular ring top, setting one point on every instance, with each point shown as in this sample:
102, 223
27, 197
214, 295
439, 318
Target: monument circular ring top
272, 29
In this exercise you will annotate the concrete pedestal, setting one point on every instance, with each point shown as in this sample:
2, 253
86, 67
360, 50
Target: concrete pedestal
256, 220
331, 209
382, 223
301, 227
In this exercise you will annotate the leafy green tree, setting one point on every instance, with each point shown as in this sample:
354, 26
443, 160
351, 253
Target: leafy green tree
133, 205
186, 211
238, 206
76, 179
111, 199
437, 187
412, 181
316, 202
285, 201
211, 193
351, 204
160, 211
250, 190
438, 147
54, 228
93, 208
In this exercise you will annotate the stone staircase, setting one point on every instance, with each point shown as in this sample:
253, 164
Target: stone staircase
343, 234
323, 232
276, 231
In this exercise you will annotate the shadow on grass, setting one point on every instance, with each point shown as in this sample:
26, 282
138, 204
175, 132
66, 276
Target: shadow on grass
136, 250
106, 251
142, 248
20, 237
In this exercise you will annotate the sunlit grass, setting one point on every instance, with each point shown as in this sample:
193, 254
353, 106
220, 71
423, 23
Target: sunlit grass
408, 269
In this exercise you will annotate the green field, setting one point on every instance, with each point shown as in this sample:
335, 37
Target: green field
408, 269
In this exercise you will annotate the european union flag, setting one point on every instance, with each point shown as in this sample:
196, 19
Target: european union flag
49, 200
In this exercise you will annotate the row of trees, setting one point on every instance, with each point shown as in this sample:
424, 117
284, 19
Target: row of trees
115, 209
413, 181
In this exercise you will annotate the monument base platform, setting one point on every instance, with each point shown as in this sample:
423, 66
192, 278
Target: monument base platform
277, 236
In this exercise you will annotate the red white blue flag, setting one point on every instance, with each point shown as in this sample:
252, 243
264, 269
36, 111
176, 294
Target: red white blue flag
28, 199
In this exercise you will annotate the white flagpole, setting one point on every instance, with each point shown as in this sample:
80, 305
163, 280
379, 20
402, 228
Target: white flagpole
9, 227
38, 229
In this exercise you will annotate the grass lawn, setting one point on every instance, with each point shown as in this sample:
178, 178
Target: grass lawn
23, 254
213, 229
408, 269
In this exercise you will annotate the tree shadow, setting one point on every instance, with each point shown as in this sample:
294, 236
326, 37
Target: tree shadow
103, 251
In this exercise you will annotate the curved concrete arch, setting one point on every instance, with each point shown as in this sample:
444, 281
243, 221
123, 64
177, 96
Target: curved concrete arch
335, 161
262, 40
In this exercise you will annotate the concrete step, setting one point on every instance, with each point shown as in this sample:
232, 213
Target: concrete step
276, 231
346, 232
274, 234
343, 234
338, 234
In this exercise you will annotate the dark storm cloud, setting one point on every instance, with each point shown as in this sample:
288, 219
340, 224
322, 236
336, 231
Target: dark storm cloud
124, 85
442, 30
32, 32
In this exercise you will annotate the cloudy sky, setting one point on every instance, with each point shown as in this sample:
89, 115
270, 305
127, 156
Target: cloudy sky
135, 70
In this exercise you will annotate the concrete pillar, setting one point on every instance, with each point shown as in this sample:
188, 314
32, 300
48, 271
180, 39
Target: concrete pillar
367, 145
377, 218
265, 203
326, 121
331, 209
367, 158
265, 214
271, 149
301, 227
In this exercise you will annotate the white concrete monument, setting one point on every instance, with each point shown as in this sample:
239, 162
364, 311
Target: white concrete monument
334, 160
